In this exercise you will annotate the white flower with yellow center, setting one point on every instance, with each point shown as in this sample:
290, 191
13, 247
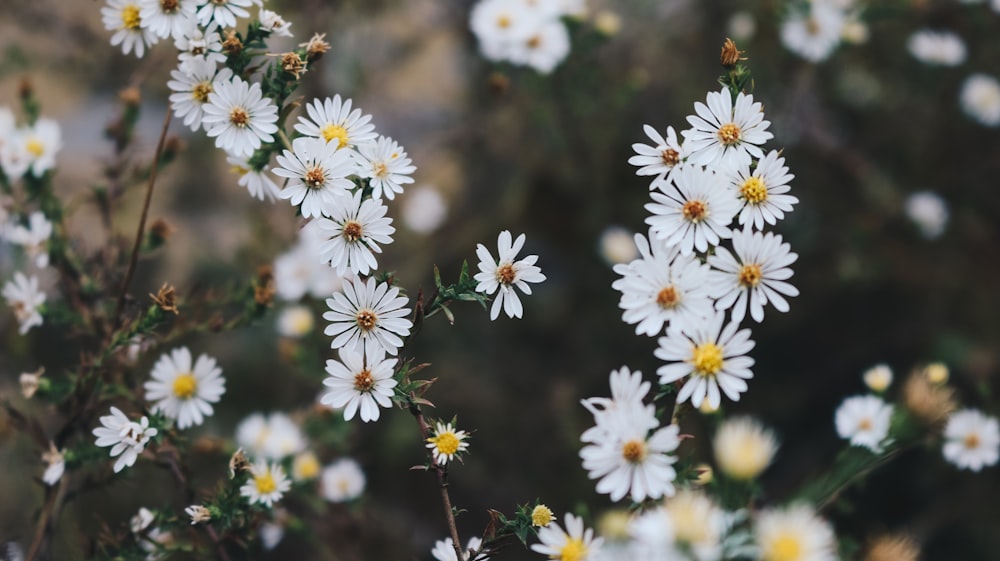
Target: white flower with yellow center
126, 438
34, 237
358, 384
386, 165
505, 273
222, 13
305, 466
193, 80
864, 420
576, 543
878, 377
694, 212
928, 211
445, 551
543, 48
763, 191
274, 437
167, 18
724, 133
335, 122
972, 440
500, 24
743, 448
689, 520
25, 299
794, 534
298, 272
239, 117
295, 321
628, 390
123, 17
353, 233
447, 443
258, 182
184, 392
369, 317
980, 99
39, 144
753, 275
195, 43
661, 159
814, 31
317, 172
342, 481
711, 356
266, 485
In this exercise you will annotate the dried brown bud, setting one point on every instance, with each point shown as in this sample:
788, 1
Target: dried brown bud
166, 298
293, 64
498, 83
238, 463
25, 89
198, 514
315, 47
130, 96
932, 403
893, 548
30, 382
263, 290
232, 46
161, 229
730, 54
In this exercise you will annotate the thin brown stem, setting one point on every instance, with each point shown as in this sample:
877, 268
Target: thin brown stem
442, 477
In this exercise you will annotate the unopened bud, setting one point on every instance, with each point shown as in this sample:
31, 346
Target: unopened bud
315, 47
232, 46
730, 54
166, 298
263, 290
293, 64
130, 96
238, 463
541, 516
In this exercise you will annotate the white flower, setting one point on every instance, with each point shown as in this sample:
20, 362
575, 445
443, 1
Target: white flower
184, 392
271, 21
689, 519
616, 245
141, 520
971, 440
936, 47
753, 275
127, 438
814, 34
447, 443
266, 485
318, 172
368, 316
270, 534
743, 448
298, 272
387, 165
342, 481
123, 17
331, 119
627, 392
864, 420
273, 437
661, 159
167, 18
724, 133
359, 385
424, 209
878, 377
741, 26
257, 182
295, 321
194, 43
444, 550
794, 534
693, 213
40, 143
980, 99
576, 543
34, 237
305, 466
505, 273
239, 117
499, 24
222, 13
23, 296
193, 81
542, 49
198, 514
928, 211
56, 464
353, 233
762, 192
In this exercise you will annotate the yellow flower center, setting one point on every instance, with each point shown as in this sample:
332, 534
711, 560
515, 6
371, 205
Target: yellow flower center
352, 231
130, 17
729, 134
971, 441
670, 157
574, 550
35, 147
541, 516
366, 319
331, 131
265, 483
503, 22
200, 91
750, 275
239, 117
506, 273
185, 385
865, 424
784, 548
239, 170
707, 359
634, 451
667, 297
446, 443
695, 211
363, 381
307, 466
754, 190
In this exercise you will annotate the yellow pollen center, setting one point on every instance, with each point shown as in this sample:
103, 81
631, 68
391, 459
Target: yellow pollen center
541, 516
971, 441
381, 170
695, 211
574, 550
185, 385
670, 157
503, 22
363, 381
634, 451
332, 131
35, 147
130, 17
200, 91
534, 42
314, 178
667, 297
506, 273
239, 170
239, 117
865, 424
754, 190
308, 467
169, 6
446, 443
352, 231
785, 548
707, 359
366, 319
729, 134
750, 275
265, 483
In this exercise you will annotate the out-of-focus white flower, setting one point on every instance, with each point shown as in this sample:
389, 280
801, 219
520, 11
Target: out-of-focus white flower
127, 438
305, 466
267, 484
273, 437
222, 13
813, 34
167, 18
743, 448
257, 182
794, 534
271, 21
576, 543
25, 299
878, 377
271, 534
445, 551
742, 26
617, 246
544, 48
342, 481
239, 117
505, 273
424, 209
184, 392
40, 143
971, 440
55, 464
198, 514
942, 48
141, 520
299, 272
34, 237
864, 420
295, 321
928, 211
123, 17
980, 99
725, 132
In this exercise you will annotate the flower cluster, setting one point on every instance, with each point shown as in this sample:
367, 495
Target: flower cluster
526, 33
813, 30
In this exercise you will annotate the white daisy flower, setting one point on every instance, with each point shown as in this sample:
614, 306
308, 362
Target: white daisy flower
444, 550
273, 437
689, 519
167, 18
693, 213
576, 543
743, 448
318, 172
353, 233
23, 296
971, 440
447, 443
55, 465
274, 23
298, 272
332, 119
368, 316
864, 420
424, 209
505, 273
980, 99
195, 43
500, 24
257, 182
542, 49
813, 34
616, 246
239, 117
942, 48
184, 392
712, 356
753, 275
295, 321
193, 81
222, 13
928, 211
386, 164
123, 17
661, 159
878, 377
342, 481
359, 385
127, 438
762, 192
305, 466
628, 390
794, 534
267, 484
34, 237
724, 133
41, 143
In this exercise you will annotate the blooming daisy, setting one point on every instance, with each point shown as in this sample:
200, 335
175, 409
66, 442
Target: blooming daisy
724, 133
184, 392
41, 142
332, 119
505, 273
369, 316
359, 385
543, 48
34, 237
55, 464
754, 276
794, 534
980, 99
661, 159
447, 443
318, 172
127, 438
864, 420
541, 516
878, 377
257, 182
295, 321
193, 81
342, 481
500, 24
928, 211
762, 192
942, 48
353, 233
743, 448
627, 393
23, 296
222, 13
194, 43
576, 543
239, 117
266, 485
814, 33
971, 440
694, 212
123, 17
444, 550
386, 164
274, 437
274, 23
167, 18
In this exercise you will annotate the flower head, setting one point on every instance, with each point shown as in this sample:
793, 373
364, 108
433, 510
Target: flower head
794, 534
239, 117
726, 133
342, 481
274, 437
505, 273
222, 13
444, 550
318, 172
694, 212
814, 33
743, 448
972, 440
575, 543
126, 438
936, 47
361, 385
55, 464
661, 159
266, 485
34, 237
386, 164
878, 377
271, 21
23, 296
541, 516
763, 191
193, 81
928, 211
125, 19
353, 231
182, 391
447, 443
754, 276
368, 316
167, 18
864, 420
980, 99
335, 122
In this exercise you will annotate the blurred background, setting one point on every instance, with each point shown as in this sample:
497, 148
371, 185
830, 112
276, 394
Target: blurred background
503, 147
